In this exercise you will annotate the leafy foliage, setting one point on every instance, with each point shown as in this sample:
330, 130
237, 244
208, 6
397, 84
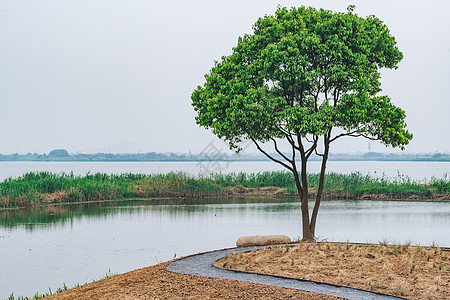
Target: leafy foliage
304, 71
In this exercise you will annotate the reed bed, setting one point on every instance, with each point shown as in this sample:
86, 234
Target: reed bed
41, 188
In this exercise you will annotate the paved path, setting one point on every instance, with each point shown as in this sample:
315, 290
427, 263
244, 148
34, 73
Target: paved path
202, 265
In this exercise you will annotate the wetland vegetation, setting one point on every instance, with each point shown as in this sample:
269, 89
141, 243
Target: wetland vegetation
44, 188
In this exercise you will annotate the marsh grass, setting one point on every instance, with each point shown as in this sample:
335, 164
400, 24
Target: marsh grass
41, 188
36, 296
43, 295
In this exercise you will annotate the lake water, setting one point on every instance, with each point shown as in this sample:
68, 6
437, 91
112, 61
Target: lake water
415, 170
41, 248
44, 247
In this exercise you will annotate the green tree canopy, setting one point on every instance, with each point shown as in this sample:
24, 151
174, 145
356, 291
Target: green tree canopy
302, 73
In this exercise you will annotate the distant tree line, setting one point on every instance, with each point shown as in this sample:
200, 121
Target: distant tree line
64, 155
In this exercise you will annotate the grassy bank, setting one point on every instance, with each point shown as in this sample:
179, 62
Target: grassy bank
36, 189
64, 288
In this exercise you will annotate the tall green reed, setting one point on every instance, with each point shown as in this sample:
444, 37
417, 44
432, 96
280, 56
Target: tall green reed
38, 188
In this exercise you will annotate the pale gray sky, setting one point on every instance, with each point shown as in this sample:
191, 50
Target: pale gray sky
108, 75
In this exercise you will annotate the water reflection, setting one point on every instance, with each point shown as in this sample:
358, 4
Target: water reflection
53, 216
45, 218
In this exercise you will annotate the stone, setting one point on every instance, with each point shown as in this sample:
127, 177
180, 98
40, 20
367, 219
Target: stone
261, 240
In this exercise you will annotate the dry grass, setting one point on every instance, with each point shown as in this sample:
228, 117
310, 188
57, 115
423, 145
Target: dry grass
156, 283
399, 270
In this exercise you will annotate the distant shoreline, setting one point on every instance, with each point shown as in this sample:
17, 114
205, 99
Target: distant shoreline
209, 155
444, 159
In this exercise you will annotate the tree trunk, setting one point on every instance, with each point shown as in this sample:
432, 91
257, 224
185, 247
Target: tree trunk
320, 187
302, 189
304, 208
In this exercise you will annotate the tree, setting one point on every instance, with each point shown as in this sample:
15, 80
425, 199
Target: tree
59, 153
308, 77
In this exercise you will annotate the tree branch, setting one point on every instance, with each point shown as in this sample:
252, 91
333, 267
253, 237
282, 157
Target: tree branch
284, 131
313, 147
366, 137
317, 153
343, 134
279, 152
290, 139
306, 138
270, 157
352, 134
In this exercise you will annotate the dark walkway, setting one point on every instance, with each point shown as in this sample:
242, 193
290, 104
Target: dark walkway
202, 265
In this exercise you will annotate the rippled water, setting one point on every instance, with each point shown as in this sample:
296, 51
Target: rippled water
45, 247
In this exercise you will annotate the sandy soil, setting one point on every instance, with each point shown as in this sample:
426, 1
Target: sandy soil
411, 272
156, 283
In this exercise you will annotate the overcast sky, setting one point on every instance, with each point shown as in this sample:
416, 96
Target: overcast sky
116, 76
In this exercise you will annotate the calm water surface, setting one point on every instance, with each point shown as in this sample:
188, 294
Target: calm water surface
45, 247
415, 170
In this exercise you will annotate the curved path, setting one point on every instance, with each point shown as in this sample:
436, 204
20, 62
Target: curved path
202, 265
